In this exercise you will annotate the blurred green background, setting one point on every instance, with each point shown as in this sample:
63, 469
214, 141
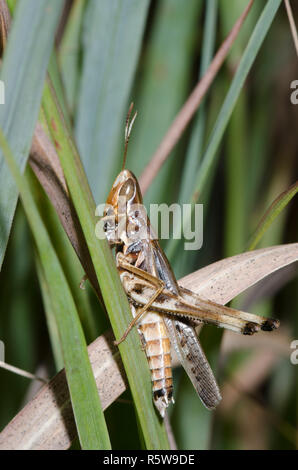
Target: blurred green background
108, 53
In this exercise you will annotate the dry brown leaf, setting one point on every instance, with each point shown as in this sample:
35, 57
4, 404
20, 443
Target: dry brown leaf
46, 422
224, 280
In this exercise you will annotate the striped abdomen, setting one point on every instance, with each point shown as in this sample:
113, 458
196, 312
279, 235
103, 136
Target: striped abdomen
158, 350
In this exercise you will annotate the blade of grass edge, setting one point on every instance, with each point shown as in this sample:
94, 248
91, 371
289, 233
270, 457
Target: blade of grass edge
69, 53
112, 38
30, 42
50, 317
89, 416
272, 212
73, 269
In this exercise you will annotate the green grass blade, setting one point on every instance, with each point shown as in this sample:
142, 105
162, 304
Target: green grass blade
113, 32
273, 211
29, 46
82, 387
11, 5
69, 53
235, 174
114, 297
67, 256
68, 259
50, 316
55, 76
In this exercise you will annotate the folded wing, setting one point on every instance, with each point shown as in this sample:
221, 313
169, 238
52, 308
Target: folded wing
192, 357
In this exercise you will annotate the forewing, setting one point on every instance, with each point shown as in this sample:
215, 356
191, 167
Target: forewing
191, 355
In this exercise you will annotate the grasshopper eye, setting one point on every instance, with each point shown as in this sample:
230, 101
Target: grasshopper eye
128, 189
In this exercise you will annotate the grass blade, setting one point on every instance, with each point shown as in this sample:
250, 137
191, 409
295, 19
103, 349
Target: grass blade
272, 212
50, 316
55, 76
85, 400
68, 259
69, 53
113, 32
11, 5
33, 27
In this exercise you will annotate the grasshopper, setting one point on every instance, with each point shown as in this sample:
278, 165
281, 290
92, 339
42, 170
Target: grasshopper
164, 312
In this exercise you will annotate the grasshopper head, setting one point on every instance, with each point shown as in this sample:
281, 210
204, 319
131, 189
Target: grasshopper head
126, 187
123, 214
123, 200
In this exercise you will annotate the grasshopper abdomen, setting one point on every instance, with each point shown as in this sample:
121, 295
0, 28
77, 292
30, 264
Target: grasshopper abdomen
157, 346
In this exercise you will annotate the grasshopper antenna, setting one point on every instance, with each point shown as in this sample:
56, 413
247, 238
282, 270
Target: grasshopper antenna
128, 128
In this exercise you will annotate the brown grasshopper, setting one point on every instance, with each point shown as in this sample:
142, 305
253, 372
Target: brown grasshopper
164, 312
